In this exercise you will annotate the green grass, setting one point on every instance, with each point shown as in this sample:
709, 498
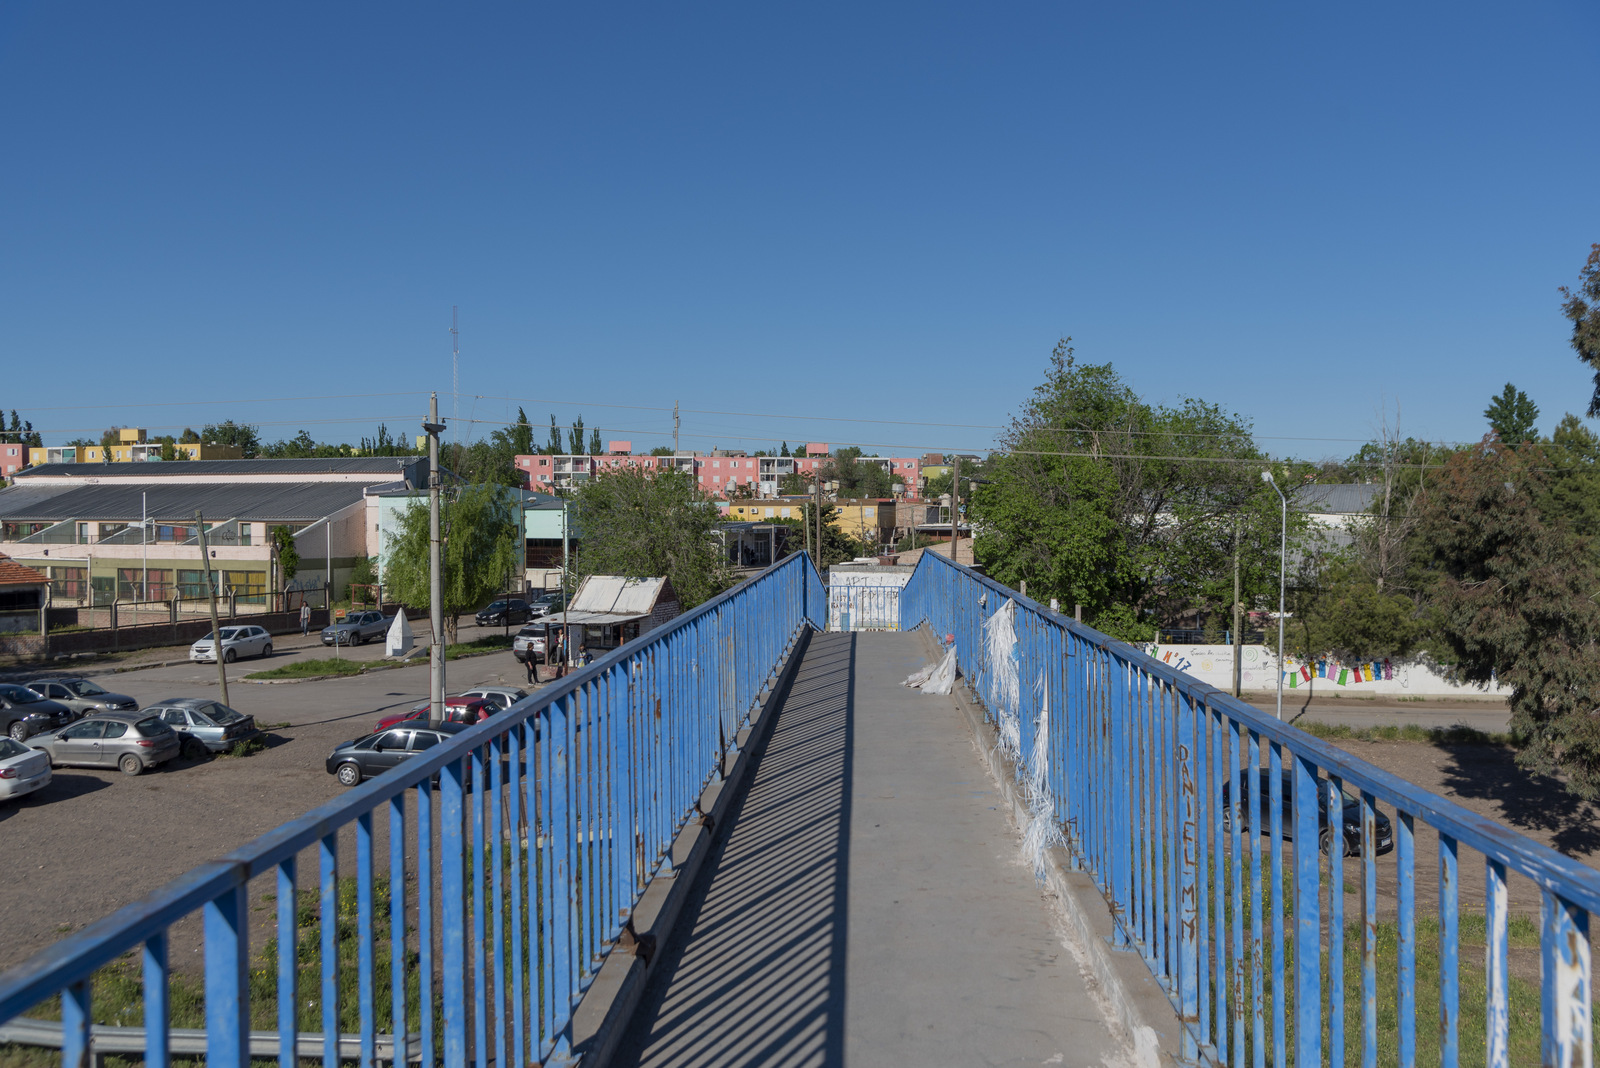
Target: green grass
490, 644
305, 669
248, 747
1409, 732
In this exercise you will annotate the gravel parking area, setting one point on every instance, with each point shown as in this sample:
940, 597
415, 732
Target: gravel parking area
96, 840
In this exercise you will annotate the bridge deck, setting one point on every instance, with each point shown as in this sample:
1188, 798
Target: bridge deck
867, 904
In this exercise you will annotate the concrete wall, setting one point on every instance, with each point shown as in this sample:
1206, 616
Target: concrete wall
1213, 664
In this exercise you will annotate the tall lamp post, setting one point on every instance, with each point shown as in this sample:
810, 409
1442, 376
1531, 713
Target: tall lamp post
1283, 553
435, 585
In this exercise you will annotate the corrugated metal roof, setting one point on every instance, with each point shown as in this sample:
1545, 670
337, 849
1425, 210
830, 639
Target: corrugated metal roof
1349, 498
258, 501
615, 595
390, 466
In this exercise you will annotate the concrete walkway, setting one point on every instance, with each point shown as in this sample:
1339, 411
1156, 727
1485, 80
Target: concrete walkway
868, 904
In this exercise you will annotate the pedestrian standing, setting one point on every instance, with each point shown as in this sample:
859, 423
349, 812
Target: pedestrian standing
531, 664
560, 652
305, 618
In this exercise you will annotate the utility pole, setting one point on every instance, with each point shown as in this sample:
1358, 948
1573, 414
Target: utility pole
955, 511
816, 485
435, 577
1238, 638
455, 374
211, 599
674, 428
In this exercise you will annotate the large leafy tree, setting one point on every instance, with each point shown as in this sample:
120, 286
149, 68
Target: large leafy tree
855, 477
481, 550
1126, 508
1517, 601
1582, 308
1512, 416
648, 524
228, 432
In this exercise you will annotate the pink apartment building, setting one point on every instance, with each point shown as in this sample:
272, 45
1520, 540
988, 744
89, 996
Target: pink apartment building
13, 458
716, 474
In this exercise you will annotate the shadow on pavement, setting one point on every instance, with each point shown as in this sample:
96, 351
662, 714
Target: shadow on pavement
1530, 802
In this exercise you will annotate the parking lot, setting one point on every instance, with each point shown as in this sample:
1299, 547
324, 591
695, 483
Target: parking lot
93, 840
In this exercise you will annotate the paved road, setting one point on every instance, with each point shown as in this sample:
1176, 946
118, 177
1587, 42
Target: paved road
869, 905
95, 840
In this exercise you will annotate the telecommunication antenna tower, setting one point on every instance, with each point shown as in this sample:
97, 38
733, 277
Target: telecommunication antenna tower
674, 428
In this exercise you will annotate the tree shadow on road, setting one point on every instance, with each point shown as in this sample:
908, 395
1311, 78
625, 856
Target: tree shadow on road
1530, 802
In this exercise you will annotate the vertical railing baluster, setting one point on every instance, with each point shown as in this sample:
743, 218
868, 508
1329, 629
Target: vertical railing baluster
397, 924
478, 977
1449, 953
1188, 985
1238, 799
1564, 991
1202, 862
516, 899
454, 979
1405, 880
227, 955
76, 1007
1336, 921
1369, 931
365, 952
1307, 913
1218, 947
425, 1007
1497, 976
1258, 949
329, 927
495, 956
157, 1002
1280, 983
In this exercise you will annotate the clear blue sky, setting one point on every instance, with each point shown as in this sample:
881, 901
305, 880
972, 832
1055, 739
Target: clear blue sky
846, 211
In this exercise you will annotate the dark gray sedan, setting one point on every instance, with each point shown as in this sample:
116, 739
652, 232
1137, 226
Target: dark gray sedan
357, 628
25, 712
83, 696
130, 741
204, 725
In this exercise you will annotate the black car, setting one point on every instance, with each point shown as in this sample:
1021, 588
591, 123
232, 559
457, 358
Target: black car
500, 613
1350, 816
24, 712
362, 758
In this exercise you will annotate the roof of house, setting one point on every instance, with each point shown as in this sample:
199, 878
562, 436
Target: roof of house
616, 595
15, 574
1350, 498
342, 465
257, 501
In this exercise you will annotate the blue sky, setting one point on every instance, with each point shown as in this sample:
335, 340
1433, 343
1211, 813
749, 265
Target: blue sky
844, 212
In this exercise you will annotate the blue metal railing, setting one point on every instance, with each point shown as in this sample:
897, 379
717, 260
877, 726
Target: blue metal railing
1136, 761
530, 854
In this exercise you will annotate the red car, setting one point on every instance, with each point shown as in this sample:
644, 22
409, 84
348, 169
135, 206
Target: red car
468, 710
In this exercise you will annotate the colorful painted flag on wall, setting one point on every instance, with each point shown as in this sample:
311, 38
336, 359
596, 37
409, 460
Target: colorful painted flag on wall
1344, 676
1305, 672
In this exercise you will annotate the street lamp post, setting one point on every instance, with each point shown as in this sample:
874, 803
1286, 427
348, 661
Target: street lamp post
1283, 554
435, 584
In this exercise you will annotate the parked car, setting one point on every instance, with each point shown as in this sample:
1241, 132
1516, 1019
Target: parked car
25, 712
236, 642
22, 770
352, 761
546, 603
203, 725
529, 642
357, 628
83, 696
131, 741
503, 697
500, 613
1350, 817
458, 708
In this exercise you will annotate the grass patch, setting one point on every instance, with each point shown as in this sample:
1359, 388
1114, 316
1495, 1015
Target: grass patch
305, 669
248, 747
273, 726
1409, 732
493, 643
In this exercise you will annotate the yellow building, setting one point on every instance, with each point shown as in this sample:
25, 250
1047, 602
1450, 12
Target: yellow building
868, 519
133, 445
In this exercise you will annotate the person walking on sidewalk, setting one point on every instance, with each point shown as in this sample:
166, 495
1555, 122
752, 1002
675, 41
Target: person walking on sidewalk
305, 618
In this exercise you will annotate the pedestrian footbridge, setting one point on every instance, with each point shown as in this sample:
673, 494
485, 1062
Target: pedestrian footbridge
741, 840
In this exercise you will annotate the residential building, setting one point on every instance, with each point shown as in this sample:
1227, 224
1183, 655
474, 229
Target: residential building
723, 473
132, 446
128, 531
23, 595
13, 458
868, 519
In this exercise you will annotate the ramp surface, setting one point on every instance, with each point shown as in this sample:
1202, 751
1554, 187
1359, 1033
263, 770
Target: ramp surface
867, 903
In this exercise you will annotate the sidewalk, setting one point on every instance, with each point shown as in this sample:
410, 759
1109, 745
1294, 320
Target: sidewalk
868, 905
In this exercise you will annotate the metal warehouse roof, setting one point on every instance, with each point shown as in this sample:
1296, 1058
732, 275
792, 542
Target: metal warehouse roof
259, 501
613, 595
1350, 498
389, 466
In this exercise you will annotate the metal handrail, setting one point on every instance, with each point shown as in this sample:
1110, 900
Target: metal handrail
618, 753
1122, 720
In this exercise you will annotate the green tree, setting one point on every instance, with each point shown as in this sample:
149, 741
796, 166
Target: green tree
1517, 603
661, 450
595, 448
22, 432
856, 478
188, 437
553, 446
784, 451
1512, 416
288, 556
575, 438
1573, 486
1341, 611
481, 549
1583, 309
1128, 508
108, 437
838, 547
245, 436
650, 524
